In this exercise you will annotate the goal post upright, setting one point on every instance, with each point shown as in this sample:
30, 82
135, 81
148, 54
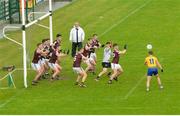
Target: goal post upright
24, 43
24, 26
50, 22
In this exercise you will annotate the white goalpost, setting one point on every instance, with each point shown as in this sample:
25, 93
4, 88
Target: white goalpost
23, 28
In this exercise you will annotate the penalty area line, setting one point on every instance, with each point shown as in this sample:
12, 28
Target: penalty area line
126, 17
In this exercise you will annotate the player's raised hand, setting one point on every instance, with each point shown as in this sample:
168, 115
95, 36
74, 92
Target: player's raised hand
125, 46
102, 46
162, 70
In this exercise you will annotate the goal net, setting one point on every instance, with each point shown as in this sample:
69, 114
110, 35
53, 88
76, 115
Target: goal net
23, 39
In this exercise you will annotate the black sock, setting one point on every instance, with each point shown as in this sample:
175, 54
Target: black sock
109, 73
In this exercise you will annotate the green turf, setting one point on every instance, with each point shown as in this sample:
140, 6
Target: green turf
155, 21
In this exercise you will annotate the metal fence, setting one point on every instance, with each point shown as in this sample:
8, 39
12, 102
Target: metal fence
8, 9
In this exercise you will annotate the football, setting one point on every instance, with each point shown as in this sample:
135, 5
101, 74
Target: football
149, 46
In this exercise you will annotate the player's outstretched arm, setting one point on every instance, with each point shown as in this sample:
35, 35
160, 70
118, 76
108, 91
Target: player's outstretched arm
122, 52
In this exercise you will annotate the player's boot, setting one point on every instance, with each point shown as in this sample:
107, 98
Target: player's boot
161, 87
34, 82
82, 85
76, 83
147, 89
110, 82
116, 79
52, 79
96, 79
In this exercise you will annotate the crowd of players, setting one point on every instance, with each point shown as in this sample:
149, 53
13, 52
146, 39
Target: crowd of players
47, 56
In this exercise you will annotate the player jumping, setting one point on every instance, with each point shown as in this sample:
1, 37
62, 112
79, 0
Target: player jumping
116, 67
153, 64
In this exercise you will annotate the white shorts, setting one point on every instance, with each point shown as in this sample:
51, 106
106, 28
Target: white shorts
87, 61
78, 70
52, 65
42, 61
116, 66
47, 60
36, 66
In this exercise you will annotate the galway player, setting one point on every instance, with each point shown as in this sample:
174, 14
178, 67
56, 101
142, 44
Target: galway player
95, 42
57, 42
54, 54
36, 64
116, 67
153, 64
106, 60
92, 61
78, 69
87, 48
44, 57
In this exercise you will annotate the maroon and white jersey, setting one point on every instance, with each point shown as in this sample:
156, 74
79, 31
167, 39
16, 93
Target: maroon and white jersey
53, 56
95, 43
77, 60
57, 44
37, 57
116, 57
86, 51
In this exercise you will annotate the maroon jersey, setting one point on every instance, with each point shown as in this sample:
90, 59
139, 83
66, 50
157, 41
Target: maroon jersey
116, 57
95, 43
77, 60
57, 44
53, 57
37, 57
86, 51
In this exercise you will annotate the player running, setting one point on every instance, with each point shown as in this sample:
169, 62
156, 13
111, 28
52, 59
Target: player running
153, 64
116, 67
92, 59
106, 60
78, 69
36, 63
54, 54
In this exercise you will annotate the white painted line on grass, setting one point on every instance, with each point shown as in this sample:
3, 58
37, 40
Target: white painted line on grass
8, 101
134, 88
126, 17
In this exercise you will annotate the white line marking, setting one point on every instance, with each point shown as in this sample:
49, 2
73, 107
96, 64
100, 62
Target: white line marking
8, 101
123, 19
133, 89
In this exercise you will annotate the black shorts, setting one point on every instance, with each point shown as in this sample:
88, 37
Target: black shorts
106, 64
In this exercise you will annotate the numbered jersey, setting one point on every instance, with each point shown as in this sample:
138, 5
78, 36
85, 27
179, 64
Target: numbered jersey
77, 60
37, 57
151, 61
116, 57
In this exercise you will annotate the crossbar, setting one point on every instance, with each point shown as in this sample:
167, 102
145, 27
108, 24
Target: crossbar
37, 20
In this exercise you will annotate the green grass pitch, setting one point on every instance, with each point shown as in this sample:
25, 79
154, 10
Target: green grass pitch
135, 22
